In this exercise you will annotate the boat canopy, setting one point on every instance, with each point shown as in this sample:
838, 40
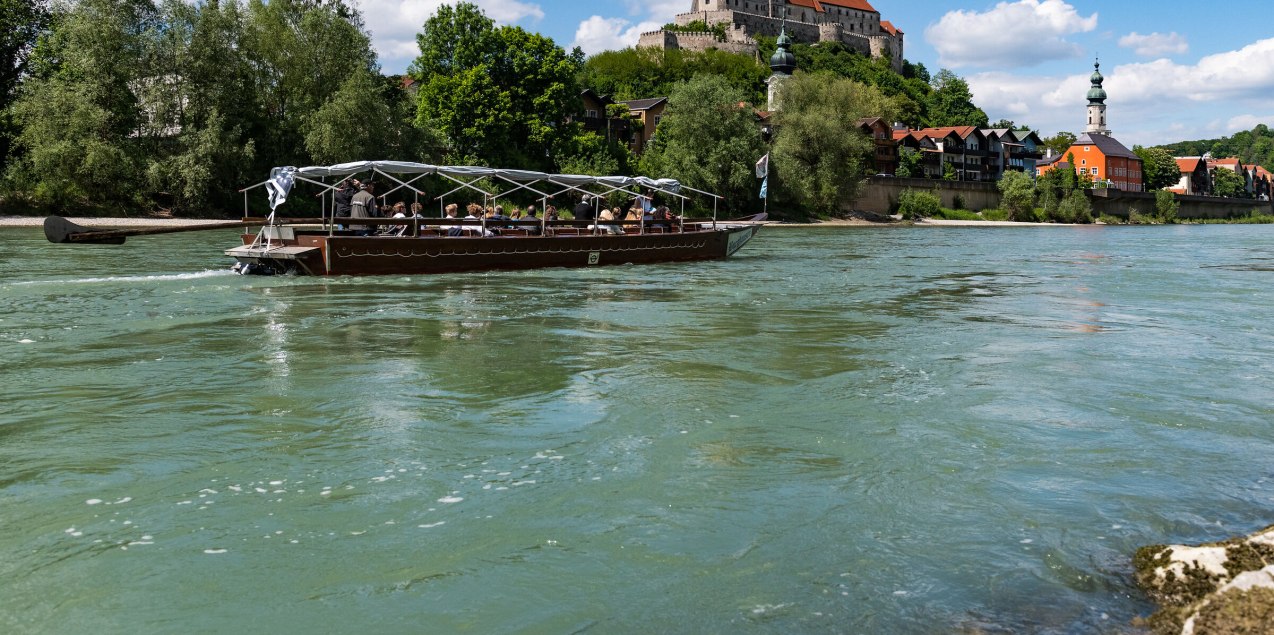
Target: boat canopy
282, 178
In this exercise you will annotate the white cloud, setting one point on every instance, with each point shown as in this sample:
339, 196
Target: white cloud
1247, 73
598, 34
1247, 122
1012, 34
1155, 44
395, 23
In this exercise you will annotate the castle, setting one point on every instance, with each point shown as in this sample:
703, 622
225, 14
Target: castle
854, 23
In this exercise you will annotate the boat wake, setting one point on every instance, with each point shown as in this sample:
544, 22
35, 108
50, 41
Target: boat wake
207, 273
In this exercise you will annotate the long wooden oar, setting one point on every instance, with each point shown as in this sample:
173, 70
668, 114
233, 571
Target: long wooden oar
60, 230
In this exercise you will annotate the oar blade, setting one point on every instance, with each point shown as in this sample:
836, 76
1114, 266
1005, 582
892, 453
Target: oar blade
60, 230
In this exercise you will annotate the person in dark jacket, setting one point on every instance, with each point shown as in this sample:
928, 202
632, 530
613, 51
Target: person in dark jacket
363, 205
584, 210
344, 194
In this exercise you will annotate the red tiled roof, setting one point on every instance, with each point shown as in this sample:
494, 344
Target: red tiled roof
961, 131
817, 5
889, 27
861, 5
1231, 162
1188, 164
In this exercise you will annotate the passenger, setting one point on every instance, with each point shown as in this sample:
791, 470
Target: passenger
516, 215
605, 222
633, 214
476, 213
363, 205
399, 211
531, 230
344, 194
416, 210
584, 209
452, 230
550, 214
661, 218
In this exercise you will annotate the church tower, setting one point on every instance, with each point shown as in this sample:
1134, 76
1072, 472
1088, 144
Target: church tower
783, 63
1097, 104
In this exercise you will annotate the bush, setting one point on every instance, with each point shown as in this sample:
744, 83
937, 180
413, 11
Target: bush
1115, 220
1075, 208
1017, 194
1166, 206
958, 202
913, 204
994, 214
957, 214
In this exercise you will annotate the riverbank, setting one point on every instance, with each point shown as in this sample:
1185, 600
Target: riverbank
38, 221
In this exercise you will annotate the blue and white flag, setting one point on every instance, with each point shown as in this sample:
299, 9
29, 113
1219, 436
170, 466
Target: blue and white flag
763, 167
279, 185
764, 186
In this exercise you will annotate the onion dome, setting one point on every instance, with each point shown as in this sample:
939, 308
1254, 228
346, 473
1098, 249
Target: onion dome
1097, 94
783, 61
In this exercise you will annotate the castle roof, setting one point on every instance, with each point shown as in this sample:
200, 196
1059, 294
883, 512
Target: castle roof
888, 27
817, 5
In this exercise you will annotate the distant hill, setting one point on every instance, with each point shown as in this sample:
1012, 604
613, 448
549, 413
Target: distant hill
1252, 147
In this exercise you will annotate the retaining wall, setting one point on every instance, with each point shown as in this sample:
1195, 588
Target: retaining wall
881, 194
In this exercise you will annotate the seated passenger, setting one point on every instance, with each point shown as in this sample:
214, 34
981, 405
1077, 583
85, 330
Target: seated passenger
603, 225
532, 230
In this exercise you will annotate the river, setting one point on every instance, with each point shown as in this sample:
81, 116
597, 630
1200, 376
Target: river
909, 430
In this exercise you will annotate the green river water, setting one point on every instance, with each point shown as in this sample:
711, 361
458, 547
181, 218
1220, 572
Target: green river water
921, 430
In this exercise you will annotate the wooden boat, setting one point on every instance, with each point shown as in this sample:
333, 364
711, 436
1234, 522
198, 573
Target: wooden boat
324, 246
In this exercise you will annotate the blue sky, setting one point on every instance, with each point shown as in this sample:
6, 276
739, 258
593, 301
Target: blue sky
1175, 70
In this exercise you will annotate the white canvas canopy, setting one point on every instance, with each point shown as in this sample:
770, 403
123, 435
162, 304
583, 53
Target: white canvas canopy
283, 178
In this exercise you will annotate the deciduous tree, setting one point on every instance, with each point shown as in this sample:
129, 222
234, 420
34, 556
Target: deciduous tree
1158, 168
820, 154
708, 142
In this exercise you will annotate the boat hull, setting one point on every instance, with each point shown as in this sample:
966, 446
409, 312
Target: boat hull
320, 254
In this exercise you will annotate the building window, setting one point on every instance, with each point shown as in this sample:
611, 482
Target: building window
590, 113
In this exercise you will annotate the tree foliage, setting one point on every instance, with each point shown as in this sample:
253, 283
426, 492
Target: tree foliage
133, 104
1252, 147
1228, 183
642, 73
1017, 196
820, 155
708, 142
1060, 143
495, 93
1158, 168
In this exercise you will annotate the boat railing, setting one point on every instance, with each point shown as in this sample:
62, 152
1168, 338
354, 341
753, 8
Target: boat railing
412, 227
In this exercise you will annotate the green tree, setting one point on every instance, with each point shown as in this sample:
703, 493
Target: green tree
1017, 195
21, 22
917, 204
1228, 183
909, 164
948, 171
951, 103
1166, 206
1060, 143
708, 142
77, 116
495, 93
1075, 208
1158, 168
1051, 191
819, 153
642, 73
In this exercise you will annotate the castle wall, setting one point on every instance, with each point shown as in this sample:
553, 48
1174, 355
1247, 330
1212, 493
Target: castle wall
858, 30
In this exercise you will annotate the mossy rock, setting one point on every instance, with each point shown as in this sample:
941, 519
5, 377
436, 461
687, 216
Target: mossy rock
1172, 590
1238, 613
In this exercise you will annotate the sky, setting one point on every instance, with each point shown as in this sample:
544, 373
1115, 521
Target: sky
1175, 70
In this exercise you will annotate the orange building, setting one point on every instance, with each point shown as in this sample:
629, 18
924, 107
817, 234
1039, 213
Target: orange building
1097, 154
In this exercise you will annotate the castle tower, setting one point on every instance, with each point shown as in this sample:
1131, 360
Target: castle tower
1097, 104
783, 63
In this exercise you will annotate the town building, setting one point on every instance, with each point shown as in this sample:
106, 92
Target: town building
598, 120
1012, 151
884, 148
1096, 153
648, 113
1195, 179
854, 23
